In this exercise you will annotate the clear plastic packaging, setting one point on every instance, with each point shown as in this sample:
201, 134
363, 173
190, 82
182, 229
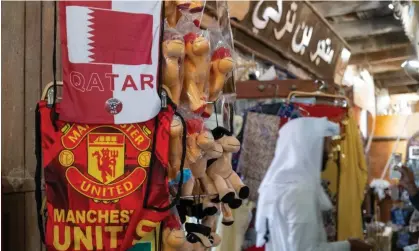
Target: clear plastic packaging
173, 50
173, 10
196, 64
222, 66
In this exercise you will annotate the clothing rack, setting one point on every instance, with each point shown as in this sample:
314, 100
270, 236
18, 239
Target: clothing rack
197, 196
254, 89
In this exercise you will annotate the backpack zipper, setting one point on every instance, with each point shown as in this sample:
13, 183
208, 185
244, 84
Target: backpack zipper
163, 99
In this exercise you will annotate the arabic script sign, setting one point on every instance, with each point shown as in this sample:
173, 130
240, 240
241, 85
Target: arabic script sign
299, 34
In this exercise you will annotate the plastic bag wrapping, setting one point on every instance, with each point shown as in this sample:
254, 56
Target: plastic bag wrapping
379, 235
225, 27
196, 64
194, 128
227, 106
173, 70
174, 10
221, 68
414, 222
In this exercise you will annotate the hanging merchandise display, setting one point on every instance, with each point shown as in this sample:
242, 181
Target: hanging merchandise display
110, 81
127, 160
345, 174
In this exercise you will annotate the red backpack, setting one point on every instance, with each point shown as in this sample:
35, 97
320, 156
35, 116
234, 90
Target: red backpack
101, 180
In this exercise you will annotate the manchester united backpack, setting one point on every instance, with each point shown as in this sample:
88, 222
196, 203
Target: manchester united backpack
106, 184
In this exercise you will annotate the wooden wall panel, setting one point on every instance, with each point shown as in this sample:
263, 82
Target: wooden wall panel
392, 125
387, 130
12, 95
380, 152
13, 222
32, 237
27, 39
33, 61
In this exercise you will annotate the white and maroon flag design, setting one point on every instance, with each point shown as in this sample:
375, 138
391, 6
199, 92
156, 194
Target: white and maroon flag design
110, 53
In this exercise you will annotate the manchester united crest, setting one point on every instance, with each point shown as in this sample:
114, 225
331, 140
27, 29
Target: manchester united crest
108, 176
106, 156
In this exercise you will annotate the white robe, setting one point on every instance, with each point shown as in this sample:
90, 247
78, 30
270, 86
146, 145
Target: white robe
291, 198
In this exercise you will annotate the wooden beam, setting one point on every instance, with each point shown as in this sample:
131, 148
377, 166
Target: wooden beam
403, 89
398, 54
383, 67
389, 75
332, 8
378, 43
253, 89
394, 79
369, 27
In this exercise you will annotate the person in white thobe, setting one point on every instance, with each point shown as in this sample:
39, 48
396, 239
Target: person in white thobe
291, 198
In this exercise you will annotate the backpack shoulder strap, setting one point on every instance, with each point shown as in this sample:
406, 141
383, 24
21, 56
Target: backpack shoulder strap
38, 173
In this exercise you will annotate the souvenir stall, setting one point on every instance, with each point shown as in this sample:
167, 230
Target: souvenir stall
346, 174
127, 160
393, 208
284, 49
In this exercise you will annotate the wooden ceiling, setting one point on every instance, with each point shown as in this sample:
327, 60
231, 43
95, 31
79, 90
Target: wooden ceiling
378, 42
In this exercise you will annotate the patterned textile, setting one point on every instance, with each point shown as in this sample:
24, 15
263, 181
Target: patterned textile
329, 217
283, 110
260, 131
258, 148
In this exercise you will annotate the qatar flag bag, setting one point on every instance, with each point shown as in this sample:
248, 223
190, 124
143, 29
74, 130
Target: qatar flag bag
106, 185
110, 56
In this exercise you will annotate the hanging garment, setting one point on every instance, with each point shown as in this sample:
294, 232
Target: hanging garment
261, 124
291, 198
331, 173
110, 57
330, 178
105, 185
352, 182
258, 148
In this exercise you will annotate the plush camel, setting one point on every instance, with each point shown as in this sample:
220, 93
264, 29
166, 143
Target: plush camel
205, 142
201, 236
221, 65
226, 181
228, 218
173, 239
199, 172
173, 52
175, 145
197, 141
195, 6
172, 11
196, 71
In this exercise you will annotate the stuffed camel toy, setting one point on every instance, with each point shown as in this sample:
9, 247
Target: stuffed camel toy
221, 65
196, 71
204, 144
227, 182
175, 146
172, 11
173, 49
173, 238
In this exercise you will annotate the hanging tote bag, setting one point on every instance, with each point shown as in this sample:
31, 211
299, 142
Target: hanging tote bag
110, 56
